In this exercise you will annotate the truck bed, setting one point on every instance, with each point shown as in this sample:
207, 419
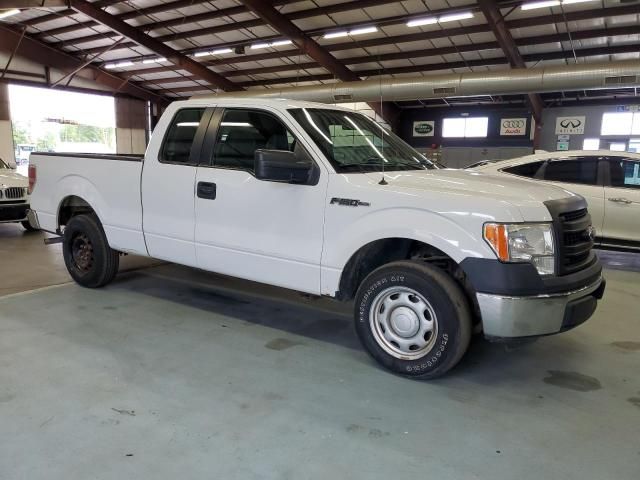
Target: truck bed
109, 183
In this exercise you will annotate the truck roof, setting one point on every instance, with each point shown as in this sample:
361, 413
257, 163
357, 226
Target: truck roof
260, 101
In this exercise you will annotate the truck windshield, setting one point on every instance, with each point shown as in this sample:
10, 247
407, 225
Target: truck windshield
354, 143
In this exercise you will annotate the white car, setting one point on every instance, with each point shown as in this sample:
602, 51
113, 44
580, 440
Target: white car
610, 181
14, 197
323, 200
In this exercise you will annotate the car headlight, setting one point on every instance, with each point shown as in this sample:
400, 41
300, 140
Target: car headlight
523, 242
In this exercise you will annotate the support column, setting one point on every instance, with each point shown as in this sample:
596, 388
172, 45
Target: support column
7, 149
131, 126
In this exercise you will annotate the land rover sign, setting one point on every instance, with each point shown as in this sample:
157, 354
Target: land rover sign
424, 128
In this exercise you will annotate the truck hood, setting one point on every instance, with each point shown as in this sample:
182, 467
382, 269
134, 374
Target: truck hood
526, 196
517, 191
9, 178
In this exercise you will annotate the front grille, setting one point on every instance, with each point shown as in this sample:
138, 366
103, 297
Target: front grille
570, 216
574, 236
13, 193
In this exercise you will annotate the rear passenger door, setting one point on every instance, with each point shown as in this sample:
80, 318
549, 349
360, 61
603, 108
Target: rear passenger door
168, 187
582, 175
622, 204
264, 231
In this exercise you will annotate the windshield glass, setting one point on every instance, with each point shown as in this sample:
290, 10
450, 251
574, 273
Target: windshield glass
355, 143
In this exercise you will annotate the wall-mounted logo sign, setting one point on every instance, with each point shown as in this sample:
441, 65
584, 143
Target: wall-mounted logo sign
513, 126
424, 128
570, 125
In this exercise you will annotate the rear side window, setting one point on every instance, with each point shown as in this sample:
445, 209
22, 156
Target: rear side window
581, 170
179, 139
526, 170
625, 173
242, 132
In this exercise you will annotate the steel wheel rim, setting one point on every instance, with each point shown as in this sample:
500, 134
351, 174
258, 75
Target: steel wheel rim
82, 253
403, 323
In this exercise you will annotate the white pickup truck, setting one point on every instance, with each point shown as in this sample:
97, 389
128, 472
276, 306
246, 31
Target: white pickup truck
323, 200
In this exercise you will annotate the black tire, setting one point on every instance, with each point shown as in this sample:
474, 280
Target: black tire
87, 255
27, 226
439, 349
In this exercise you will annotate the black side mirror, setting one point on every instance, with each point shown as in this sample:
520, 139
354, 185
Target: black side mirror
281, 166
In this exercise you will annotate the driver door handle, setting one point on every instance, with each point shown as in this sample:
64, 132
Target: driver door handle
620, 200
206, 190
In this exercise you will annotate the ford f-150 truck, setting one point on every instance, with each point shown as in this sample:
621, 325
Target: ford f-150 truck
325, 201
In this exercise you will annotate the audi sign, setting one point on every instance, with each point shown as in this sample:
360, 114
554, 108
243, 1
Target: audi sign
513, 126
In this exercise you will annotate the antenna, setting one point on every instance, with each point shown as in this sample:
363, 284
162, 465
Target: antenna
382, 181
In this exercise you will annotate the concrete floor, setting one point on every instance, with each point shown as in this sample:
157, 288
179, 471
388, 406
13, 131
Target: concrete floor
175, 373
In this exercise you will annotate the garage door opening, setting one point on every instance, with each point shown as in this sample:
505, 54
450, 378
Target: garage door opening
49, 120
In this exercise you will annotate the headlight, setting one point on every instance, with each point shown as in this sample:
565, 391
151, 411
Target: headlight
523, 242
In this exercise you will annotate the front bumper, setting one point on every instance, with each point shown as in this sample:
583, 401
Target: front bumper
13, 213
32, 216
508, 317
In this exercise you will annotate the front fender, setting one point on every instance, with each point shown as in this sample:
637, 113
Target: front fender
460, 238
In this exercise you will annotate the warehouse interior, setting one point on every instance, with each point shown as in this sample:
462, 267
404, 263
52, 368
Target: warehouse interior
173, 370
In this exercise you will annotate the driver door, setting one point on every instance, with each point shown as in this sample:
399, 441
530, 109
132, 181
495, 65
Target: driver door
258, 230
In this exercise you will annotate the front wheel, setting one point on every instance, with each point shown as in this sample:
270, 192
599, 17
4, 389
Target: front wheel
89, 259
413, 319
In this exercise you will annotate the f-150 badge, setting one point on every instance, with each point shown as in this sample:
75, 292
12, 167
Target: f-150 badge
348, 202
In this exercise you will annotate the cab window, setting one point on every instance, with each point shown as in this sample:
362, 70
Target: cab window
242, 132
176, 147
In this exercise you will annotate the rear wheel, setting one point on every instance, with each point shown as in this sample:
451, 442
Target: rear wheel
413, 319
87, 255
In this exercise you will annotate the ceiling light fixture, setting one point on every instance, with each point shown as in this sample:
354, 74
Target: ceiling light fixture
418, 22
154, 60
342, 33
542, 4
275, 43
455, 16
354, 31
363, 30
9, 13
202, 54
126, 63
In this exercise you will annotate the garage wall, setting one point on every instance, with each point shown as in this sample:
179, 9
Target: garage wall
593, 124
460, 152
6, 136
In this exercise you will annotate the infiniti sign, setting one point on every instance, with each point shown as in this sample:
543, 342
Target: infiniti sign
570, 125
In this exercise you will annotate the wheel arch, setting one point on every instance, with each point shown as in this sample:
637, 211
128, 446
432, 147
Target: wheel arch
73, 205
380, 252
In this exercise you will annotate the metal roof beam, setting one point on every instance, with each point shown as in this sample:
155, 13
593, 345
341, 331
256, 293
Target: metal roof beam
40, 53
405, 38
142, 39
503, 35
433, 67
212, 15
310, 47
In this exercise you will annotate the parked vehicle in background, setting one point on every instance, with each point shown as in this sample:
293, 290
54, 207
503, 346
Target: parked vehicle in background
323, 200
23, 152
610, 181
14, 198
